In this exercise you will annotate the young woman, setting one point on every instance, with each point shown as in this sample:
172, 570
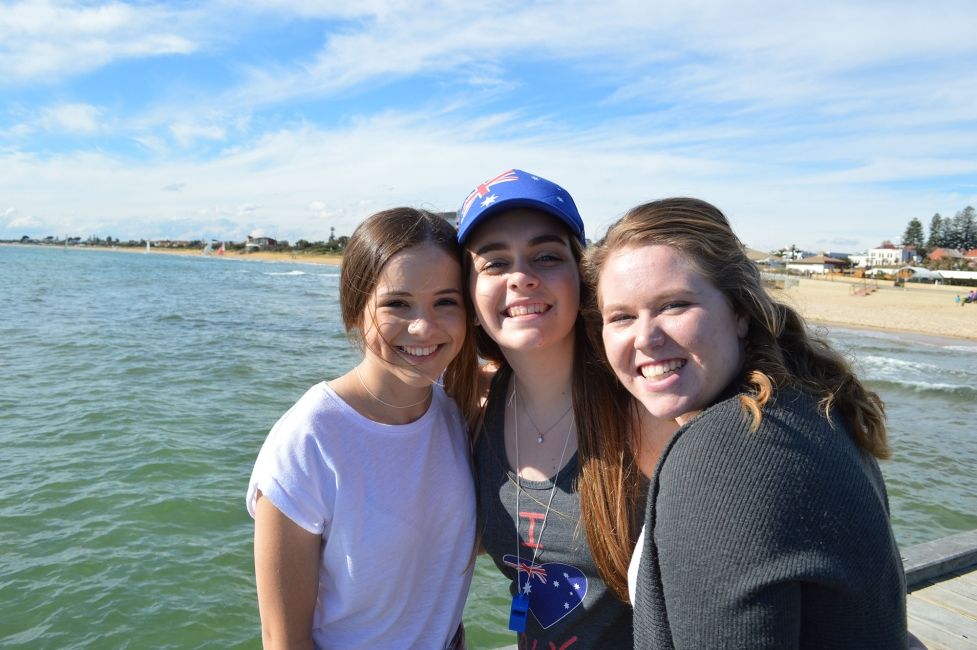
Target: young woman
767, 523
362, 494
553, 458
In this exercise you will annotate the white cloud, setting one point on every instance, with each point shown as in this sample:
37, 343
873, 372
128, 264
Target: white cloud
40, 39
70, 118
801, 121
23, 223
188, 133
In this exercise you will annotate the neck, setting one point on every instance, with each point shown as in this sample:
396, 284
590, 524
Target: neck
654, 435
544, 378
381, 396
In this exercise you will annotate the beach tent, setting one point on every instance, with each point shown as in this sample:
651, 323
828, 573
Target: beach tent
918, 273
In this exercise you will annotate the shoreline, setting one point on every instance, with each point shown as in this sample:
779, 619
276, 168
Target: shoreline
914, 309
261, 256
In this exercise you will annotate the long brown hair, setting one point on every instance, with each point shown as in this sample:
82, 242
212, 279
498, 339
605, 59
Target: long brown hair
780, 350
374, 242
606, 421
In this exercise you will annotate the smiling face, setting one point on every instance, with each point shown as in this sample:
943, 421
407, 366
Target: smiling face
414, 324
525, 283
670, 335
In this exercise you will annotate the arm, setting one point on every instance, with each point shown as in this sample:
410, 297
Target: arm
286, 565
724, 580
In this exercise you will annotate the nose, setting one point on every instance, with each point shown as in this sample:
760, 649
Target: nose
419, 326
650, 335
522, 277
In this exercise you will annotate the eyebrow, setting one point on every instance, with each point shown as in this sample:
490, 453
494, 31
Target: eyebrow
405, 293
547, 238
664, 296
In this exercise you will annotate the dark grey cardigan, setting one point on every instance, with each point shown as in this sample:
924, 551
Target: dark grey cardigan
773, 539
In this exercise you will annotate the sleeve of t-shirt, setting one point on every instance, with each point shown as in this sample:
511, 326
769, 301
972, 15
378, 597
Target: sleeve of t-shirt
295, 472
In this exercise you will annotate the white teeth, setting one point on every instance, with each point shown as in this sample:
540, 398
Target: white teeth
419, 351
660, 369
524, 310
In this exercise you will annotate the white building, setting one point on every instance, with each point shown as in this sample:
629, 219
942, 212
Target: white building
891, 255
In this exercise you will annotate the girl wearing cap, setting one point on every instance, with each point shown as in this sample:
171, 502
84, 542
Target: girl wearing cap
362, 493
553, 459
767, 524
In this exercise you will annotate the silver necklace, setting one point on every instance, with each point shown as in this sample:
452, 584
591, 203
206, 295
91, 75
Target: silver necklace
356, 369
520, 602
540, 434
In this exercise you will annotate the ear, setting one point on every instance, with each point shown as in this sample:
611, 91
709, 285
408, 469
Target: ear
742, 326
475, 321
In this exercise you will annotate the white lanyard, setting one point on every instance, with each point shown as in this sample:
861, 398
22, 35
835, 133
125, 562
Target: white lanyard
539, 540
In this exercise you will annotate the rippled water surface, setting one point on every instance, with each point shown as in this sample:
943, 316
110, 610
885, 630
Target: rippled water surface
136, 390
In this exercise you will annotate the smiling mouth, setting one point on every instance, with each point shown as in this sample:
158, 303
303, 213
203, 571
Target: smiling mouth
659, 370
526, 310
417, 351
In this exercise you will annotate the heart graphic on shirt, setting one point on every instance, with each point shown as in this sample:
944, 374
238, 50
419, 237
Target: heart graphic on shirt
555, 589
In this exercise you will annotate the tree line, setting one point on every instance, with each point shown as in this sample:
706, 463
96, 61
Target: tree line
958, 231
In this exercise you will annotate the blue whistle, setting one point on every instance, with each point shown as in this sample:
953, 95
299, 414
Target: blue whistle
519, 612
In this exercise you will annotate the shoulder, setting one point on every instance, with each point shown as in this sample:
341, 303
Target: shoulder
448, 410
792, 424
309, 421
797, 471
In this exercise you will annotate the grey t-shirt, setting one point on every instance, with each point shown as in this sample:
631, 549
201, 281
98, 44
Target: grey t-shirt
569, 604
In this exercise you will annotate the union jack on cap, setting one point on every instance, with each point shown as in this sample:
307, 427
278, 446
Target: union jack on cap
518, 189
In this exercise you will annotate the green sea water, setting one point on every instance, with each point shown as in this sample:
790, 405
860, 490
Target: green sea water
136, 390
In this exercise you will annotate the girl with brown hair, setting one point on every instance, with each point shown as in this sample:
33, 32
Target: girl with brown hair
557, 480
362, 494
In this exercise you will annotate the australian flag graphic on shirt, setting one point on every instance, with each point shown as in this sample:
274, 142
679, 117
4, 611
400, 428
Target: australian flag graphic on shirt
554, 589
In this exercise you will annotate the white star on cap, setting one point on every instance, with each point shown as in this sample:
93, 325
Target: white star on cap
489, 200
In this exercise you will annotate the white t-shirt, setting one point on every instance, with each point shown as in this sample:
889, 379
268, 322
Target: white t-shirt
633, 566
395, 506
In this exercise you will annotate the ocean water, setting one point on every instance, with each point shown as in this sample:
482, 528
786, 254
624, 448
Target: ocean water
136, 390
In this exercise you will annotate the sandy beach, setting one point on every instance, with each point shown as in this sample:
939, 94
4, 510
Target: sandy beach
919, 308
263, 256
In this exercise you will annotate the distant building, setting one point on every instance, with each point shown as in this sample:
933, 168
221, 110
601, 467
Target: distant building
816, 264
938, 254
792, 253
771, 260
971, 257
255, 244
890, 255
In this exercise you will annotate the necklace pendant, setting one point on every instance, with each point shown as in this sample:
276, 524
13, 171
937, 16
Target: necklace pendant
539, 439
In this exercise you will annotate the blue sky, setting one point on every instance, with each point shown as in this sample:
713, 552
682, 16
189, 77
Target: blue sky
827, 125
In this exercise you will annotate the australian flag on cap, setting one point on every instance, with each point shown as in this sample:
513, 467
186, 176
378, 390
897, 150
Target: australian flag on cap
518, 189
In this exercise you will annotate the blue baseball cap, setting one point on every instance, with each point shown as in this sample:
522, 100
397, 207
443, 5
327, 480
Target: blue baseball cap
518, 189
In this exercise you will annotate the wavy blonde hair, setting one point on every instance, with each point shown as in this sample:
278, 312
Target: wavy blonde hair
780, 350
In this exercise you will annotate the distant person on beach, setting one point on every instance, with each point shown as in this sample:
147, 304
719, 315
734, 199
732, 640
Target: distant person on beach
557, 479
362, 494
767, 521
